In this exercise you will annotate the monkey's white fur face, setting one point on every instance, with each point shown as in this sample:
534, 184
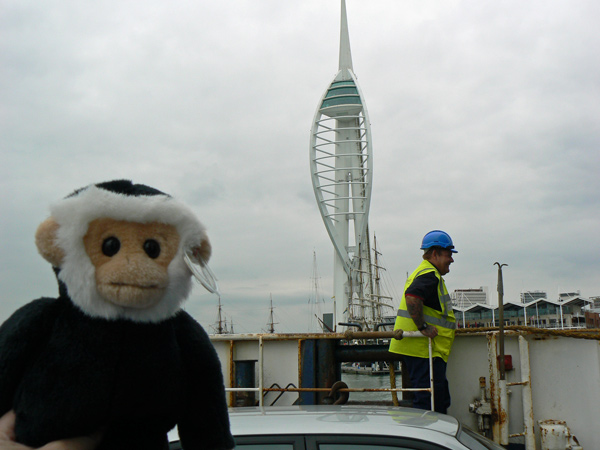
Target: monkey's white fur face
74, 216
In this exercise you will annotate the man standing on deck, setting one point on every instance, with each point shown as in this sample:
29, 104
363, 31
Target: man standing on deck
426, 307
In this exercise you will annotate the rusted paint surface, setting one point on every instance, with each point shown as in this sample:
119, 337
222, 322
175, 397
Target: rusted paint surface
502, 417
492, 369
513, 330
328, 369
526, 394
348, 335
550, 428
338, 395
300, 341
556, 434
499, 415
275, 336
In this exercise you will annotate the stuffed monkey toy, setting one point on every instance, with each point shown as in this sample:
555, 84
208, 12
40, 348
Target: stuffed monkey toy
114, 352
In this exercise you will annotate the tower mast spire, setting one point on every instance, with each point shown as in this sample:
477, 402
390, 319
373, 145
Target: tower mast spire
345, 54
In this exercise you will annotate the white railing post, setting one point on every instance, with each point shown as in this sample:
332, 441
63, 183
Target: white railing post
527, 394
414, 334
260, 370
431, 383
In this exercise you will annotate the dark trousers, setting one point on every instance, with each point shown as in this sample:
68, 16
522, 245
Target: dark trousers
418, 372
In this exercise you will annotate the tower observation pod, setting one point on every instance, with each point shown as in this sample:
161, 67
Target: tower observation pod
341, 172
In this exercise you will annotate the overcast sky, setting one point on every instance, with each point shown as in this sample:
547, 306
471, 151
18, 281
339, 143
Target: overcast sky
485, 119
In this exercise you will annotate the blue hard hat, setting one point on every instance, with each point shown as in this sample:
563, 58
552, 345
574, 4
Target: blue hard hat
438, 238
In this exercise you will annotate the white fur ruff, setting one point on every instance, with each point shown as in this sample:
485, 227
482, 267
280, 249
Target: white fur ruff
74, 214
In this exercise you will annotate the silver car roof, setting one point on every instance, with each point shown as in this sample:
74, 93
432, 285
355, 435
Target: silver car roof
345, 419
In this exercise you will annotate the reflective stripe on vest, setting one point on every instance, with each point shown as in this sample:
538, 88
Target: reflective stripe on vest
430, 320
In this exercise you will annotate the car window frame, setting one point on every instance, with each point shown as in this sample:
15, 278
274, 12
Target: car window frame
297, 440
314, 441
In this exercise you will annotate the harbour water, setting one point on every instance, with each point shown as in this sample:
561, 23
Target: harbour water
361, 381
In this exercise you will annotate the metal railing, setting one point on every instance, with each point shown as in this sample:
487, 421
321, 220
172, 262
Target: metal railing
348, 335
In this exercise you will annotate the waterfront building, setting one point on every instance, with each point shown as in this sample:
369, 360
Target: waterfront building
540, 313
475, 316
592, 318
566, 296
463, 298
530, 296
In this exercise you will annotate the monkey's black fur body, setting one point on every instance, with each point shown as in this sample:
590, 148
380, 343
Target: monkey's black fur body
66, 374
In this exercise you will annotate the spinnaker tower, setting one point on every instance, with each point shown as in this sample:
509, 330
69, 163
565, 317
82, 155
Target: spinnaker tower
342, 174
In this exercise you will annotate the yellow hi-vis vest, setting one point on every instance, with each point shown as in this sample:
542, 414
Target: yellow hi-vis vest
444, 321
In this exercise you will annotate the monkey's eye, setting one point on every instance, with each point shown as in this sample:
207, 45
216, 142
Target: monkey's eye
152, 248
111, 246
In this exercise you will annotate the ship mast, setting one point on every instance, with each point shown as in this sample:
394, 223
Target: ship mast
377, 291
271, 323
380, 301
369, 310
220, 329
315, 299
220, 326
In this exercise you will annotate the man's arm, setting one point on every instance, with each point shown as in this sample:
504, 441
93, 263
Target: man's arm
414, 306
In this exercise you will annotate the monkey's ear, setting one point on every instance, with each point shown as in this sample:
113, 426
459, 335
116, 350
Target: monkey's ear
45, 240
203, 251
196, 259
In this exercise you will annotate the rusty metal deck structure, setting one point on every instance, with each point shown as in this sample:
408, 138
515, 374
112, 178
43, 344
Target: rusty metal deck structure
550, 375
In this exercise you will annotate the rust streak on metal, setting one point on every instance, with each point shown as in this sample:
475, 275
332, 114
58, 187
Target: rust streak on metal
494, 394
502, 417
300, 341
275, 336
348, 335
393, 383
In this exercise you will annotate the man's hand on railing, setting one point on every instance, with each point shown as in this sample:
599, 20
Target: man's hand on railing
430, 331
